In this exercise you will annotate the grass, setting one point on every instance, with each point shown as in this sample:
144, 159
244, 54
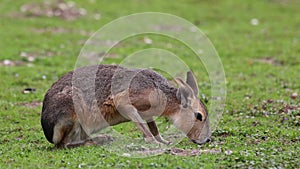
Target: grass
260, 124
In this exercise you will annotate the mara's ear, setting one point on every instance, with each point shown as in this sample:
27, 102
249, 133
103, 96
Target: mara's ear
191, 81
184, 92
180, 82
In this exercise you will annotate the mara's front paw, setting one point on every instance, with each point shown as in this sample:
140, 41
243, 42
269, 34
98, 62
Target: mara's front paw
160, 139
153, 140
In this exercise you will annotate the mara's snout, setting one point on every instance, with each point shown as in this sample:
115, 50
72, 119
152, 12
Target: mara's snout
205, 134
72, 111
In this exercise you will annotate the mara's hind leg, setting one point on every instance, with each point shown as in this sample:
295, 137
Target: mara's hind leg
61, 131
86, 120
76, 136
68, 133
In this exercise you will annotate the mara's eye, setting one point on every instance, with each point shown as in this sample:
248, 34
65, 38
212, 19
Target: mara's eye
198, 116
185, 106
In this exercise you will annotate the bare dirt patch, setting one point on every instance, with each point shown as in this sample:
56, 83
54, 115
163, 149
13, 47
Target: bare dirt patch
8, 62
61, 30
27, 58
270, 61
58, 8
287, 112
33, 104
193, 152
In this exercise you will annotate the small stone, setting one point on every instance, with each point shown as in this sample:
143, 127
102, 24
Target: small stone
7, 62
29, 90
193, 29
97, 16
126, 155
294, 95
23, 54
31, 58
254, 21
200, 51
228, 152
148, 40
82, 11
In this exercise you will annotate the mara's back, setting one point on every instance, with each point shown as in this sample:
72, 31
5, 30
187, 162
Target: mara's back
107, 80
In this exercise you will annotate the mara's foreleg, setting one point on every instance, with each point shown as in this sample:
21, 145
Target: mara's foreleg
130, 112
154, 130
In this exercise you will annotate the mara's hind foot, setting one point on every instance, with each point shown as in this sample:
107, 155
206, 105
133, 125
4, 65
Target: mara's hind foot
98, 140
80, 143
102, 139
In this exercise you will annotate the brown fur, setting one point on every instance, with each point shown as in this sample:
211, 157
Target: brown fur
149, 94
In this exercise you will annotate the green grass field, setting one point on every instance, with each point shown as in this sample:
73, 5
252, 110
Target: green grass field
260, 127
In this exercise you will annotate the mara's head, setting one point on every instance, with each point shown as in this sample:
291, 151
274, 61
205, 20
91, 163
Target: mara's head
192, 117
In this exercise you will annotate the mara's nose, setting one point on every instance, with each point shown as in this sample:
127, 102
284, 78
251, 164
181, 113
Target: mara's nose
206, 140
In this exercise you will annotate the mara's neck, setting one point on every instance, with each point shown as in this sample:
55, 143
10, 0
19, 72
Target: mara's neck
173, 104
